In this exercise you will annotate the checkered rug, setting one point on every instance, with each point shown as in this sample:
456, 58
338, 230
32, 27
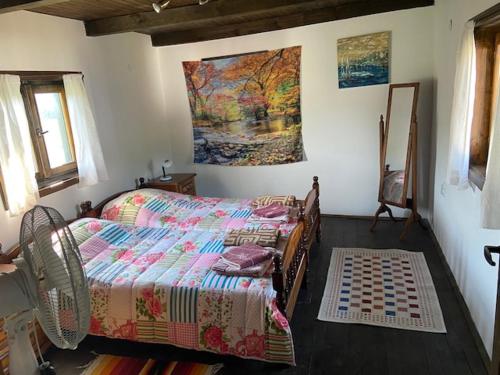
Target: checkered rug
388, 288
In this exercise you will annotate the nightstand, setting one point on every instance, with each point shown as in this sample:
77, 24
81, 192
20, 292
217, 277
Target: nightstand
180, 183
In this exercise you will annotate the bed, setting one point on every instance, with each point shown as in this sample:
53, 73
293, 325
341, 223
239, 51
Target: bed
151, 278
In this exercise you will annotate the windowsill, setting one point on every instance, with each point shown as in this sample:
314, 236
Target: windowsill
58, 186
477, 175
51, 187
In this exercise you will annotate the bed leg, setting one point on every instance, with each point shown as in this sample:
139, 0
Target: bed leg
304, 280
278, 284
316, 203
318, 229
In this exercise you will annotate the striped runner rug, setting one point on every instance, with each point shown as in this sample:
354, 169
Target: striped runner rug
388, 288
114, 365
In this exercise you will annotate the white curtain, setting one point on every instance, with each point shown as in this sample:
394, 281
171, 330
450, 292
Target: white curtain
490, 196
16, 153
462, 110
91, 167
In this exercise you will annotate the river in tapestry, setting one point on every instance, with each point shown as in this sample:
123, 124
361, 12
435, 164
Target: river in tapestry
246, 109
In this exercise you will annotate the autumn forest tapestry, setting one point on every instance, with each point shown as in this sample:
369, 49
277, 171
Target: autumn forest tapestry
246, 109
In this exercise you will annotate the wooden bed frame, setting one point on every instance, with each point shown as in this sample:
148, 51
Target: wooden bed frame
290, 269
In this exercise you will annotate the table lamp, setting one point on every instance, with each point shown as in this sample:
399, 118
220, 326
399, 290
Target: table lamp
166, 165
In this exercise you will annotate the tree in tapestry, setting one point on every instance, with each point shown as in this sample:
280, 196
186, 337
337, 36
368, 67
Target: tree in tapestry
246, 109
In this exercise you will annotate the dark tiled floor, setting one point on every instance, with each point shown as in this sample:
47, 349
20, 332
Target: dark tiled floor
331, 348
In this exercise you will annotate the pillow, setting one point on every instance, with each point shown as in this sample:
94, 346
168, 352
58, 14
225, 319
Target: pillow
266, 200
125, 207
258, 236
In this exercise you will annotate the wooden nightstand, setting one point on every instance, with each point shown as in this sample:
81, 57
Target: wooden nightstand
180, 183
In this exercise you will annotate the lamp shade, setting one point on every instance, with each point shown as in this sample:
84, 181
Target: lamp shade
167, 164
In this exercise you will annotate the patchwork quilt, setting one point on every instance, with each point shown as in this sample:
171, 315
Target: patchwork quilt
156, 285
162, 209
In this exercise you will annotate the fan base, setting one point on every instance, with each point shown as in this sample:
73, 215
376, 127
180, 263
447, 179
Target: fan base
22, 359
47, 369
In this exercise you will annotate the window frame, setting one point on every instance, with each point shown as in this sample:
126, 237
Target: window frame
46, 174
50, 180
487, 39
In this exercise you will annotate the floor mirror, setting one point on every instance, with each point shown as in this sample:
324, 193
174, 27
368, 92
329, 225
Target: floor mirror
398, 154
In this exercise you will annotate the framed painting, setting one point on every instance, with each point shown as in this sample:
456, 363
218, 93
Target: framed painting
364, 60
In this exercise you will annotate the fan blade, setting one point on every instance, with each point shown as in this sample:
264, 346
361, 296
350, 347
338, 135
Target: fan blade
52, 258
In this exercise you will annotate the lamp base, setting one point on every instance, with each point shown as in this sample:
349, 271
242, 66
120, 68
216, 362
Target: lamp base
166, 178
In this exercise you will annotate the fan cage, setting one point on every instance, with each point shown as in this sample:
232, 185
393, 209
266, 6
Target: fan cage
53, 257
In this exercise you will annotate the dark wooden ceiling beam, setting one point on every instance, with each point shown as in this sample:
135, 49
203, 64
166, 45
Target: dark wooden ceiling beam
7, 6
213, 13
224, 12
257, 25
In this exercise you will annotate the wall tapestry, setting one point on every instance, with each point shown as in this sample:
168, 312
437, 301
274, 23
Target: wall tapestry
364, 60
245, 109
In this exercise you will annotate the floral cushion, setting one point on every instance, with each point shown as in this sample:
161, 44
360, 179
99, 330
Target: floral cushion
258, 236
266, 200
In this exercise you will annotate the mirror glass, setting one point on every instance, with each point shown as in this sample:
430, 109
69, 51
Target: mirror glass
399, 116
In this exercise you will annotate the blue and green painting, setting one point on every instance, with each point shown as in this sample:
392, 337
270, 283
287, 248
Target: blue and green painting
364, 60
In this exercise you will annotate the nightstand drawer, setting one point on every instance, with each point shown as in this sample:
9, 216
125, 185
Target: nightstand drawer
188, 188
179, 183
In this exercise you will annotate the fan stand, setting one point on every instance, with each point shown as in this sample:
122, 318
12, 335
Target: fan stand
22, 358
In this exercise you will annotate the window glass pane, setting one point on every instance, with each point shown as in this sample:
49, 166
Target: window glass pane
50, 110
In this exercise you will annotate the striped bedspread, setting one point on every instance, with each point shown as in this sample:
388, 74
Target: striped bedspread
155, 285
161, 209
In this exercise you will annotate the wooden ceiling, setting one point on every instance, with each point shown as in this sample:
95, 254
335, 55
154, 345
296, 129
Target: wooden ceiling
88, 10
185, 21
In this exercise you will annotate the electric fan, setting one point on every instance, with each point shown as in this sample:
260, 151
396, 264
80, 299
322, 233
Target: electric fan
50, 281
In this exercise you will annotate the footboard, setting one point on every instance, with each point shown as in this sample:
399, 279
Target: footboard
289, 270
312, 217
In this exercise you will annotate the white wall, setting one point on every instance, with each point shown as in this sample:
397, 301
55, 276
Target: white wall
456, 213
340, 127
122, 78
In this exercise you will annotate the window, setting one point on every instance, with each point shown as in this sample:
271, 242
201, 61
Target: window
50, 129
487, 38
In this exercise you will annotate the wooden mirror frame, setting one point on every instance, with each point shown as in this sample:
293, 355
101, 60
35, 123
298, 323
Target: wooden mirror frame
410, 165
384, 142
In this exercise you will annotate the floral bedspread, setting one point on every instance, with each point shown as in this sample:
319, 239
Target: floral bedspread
161, 209
155, 285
